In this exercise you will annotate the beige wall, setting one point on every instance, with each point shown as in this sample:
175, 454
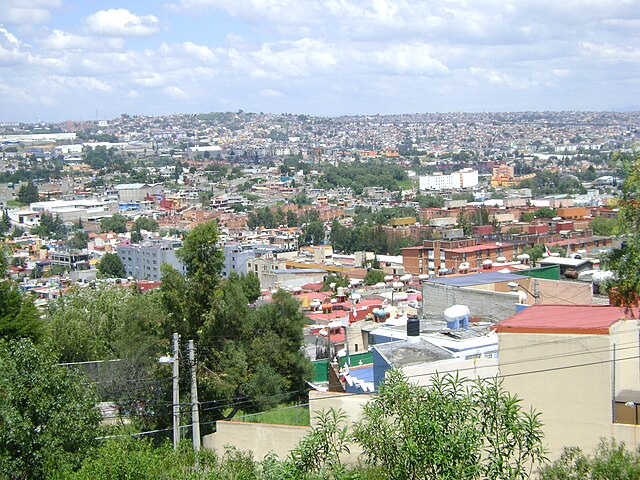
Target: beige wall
560, 292
258, 438
575, 400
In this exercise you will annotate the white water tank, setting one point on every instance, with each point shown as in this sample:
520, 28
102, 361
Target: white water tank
457, 316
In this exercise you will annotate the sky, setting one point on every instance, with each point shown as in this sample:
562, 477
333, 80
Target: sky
95, 59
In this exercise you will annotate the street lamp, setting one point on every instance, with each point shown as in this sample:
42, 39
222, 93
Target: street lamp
176, 388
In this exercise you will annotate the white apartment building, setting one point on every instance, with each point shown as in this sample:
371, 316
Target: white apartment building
465, 178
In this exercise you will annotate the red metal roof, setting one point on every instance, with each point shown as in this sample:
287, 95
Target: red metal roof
564, 319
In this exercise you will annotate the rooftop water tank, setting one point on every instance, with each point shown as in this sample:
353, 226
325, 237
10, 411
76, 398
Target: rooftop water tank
340, 291
413, 326
457, 316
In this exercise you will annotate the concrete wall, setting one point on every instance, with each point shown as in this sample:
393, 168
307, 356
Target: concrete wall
258, 438
576, 400
488, 305
262, 439
493, 301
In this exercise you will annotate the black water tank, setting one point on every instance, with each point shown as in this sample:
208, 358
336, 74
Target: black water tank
413, 326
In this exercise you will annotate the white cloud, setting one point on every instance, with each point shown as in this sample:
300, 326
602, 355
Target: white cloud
60, 40
12, 50
269, 92
175, 92
120, 22
27, 12
299, 58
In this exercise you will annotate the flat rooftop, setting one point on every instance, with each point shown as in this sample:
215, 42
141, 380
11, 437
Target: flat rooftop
564, 319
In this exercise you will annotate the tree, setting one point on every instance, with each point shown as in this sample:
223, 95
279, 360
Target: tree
336, 279
48, 419
251, 286
5, 223
19, 317
136, 236
603, 226
455, 428
188, 299
610, 460
313, 234
545, 212
374, 276
78, 240
114, 322
625, 260
111, 266
50, 227
116, 223
28, 193
146, 223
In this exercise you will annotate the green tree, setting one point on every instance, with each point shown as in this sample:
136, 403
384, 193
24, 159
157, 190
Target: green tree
78, 240
603, 226
50, 227
28, 193
625, 260
250, 286
19, 317
116, 223
430, 201
527, 217
146, 223
545, 212
374, 276
111, 266
5, 223
313, 234
48, 419
115, 322
136, 236
189, 298
610, 460
455, 428
336, 279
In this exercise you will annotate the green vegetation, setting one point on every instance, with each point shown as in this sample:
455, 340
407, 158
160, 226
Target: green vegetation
146, 223
367, 234
603, 226
257, 357
625, 260
111, 266
611, 460
358, 175
548, 183
116, 223
48, 415
28, 193
78, 240
374, 276
18, 315
50, 227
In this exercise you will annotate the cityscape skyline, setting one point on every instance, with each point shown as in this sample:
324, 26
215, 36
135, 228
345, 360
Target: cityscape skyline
63, 60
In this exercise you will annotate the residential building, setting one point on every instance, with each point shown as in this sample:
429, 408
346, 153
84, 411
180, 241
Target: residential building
578, 367
143, 261
465, 178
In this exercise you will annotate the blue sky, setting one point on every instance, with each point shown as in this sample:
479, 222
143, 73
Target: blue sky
64, 59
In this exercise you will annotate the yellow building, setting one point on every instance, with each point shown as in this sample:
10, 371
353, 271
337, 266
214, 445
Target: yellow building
578, 367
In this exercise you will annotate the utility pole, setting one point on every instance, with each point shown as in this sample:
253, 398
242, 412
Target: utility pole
195, 414
536, 292
176, 390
